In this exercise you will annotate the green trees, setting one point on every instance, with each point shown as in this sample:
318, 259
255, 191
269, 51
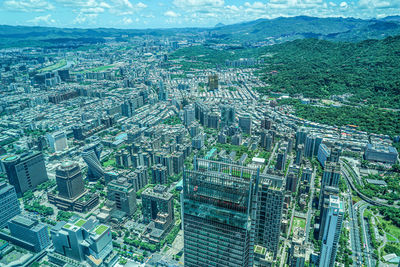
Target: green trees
318, 69
366, 118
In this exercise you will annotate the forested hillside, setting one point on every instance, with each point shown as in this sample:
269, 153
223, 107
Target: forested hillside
369, 70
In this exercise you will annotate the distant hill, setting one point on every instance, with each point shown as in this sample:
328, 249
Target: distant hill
279, 30
336, 29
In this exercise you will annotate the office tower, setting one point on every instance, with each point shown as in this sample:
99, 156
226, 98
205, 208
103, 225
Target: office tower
157, 202
57, 141
227, 114
331, 175
71, 193
269, 212
219, 209
69, 180
213, 82
124, 195
9, 204
82, 240
245, 123
91, 155
323, 206
188, 115
25, 172
332, 229
159, 174
30, 231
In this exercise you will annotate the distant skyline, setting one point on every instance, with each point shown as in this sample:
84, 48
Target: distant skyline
133, 14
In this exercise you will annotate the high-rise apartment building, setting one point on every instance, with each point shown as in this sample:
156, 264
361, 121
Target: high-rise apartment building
219, 212
270, 199
9, 204
188, 115
331, 175
26, 171
332, 229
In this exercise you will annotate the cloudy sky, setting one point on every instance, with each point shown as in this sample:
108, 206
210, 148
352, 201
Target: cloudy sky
179, 13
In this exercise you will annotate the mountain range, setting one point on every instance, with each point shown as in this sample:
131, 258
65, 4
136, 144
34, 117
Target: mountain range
280, 29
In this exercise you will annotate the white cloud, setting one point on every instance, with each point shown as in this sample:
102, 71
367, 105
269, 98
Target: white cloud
332, 4
379, 4
125, 7
46, 19
127, 20
85, 18
28, 5
198, 3
171, 14
343, 5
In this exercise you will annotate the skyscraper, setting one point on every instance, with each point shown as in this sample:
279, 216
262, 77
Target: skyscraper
9, 204
26, 171
332, 229
91, 155
69, 180
219, 210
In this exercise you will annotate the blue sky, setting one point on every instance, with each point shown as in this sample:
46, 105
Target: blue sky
179, 13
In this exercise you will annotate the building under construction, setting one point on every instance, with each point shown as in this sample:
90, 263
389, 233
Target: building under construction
213, 82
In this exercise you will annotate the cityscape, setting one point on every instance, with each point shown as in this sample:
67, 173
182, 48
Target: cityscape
265, 143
